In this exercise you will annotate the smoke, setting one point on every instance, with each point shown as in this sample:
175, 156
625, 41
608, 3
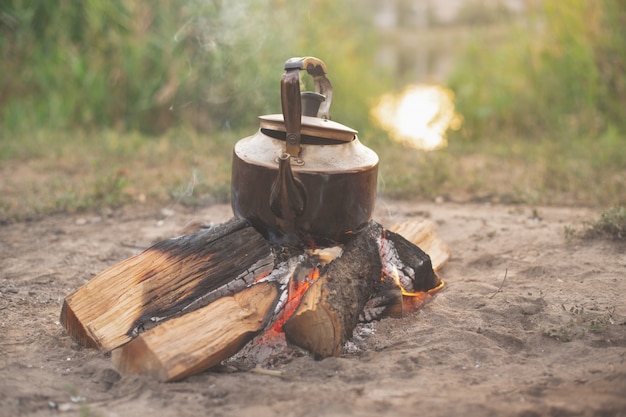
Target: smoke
234, 52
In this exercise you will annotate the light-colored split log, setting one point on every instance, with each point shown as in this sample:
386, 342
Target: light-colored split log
171, 278
423, 234
196, 341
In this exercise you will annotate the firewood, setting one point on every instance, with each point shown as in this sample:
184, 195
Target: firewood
366, 275
329, 310
407, 263
422, 234
173, 277
196, 341
411, 256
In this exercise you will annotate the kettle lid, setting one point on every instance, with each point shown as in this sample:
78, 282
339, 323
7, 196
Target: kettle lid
311, 126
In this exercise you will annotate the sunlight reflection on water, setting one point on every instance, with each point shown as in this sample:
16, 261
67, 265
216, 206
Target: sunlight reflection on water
419, 116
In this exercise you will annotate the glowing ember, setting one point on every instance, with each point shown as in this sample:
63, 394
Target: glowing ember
296, 290
419, 116
413, 301
260, 277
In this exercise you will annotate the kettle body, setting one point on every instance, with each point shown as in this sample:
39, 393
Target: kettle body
316, 195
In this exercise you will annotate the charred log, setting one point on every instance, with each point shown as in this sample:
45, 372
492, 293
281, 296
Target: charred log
173, 277
423, 234
408, 274
408, 265
329, 310
188, 303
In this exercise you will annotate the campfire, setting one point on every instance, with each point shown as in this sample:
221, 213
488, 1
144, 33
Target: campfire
298, 267
188, 303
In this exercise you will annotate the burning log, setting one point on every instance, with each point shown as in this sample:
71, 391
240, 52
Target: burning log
329, 310
173, 277
423, 235
406, 264
194, 342
373, 275
394, 299
188, 303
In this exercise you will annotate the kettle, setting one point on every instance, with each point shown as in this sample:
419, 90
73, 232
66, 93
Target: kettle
302, 179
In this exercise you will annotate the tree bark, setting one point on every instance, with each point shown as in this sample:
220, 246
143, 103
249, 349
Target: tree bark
362, 285
329, 310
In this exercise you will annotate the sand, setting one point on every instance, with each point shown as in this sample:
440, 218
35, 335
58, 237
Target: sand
530, 323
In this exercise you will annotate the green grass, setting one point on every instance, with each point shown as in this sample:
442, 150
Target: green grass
154, 66
542, 104
611, 226
51, 172
86, 171
557, 72
520, 171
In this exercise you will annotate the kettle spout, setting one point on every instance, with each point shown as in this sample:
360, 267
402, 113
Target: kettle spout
287, 195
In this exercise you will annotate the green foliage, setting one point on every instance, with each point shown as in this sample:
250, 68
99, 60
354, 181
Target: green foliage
611, 225
562, 72
150, 66
61, 172
84, 86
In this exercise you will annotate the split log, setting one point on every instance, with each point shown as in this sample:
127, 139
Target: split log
408, 265
423, 234
173, 277
192, 343
367, 274
329, 310
412, 252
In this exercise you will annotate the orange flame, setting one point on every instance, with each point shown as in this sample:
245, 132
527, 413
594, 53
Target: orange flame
261, 276
295, 292
413, 301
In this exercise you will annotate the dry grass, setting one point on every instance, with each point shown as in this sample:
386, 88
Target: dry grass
50, 172
611, 226
90, 172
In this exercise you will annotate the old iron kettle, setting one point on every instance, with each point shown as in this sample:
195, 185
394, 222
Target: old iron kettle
303, 179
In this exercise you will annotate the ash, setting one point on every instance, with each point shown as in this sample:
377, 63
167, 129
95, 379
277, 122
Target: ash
360, 337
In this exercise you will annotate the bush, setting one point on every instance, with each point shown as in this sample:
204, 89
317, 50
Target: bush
560, 73
611, 226
152, 65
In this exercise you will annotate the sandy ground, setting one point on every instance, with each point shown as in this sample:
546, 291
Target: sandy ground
530, 324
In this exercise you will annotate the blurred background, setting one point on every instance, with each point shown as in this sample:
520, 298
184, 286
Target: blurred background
111, 102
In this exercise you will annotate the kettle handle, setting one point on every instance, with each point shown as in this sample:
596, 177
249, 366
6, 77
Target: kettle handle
290, 96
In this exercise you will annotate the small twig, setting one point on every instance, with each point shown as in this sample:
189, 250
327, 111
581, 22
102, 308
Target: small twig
132, 245
501, 285
270, 372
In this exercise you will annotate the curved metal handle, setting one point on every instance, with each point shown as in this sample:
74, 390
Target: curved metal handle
317, 69
290, 96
